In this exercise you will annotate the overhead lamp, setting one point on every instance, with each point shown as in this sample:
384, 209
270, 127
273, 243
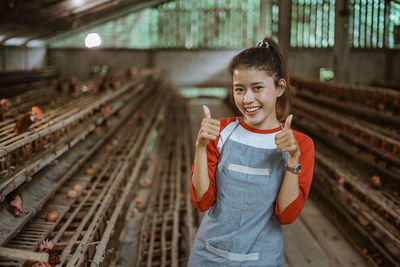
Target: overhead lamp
92, 40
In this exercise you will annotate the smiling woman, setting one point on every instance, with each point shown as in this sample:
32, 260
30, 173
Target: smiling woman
252, 173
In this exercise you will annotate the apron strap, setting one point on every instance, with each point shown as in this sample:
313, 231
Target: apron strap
280, 124
224, 141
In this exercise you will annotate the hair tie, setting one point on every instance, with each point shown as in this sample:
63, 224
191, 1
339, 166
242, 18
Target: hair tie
264, 44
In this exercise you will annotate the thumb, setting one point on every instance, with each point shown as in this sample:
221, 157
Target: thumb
207, 113
288, 122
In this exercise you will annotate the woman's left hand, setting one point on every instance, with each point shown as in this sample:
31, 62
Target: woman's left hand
286, 142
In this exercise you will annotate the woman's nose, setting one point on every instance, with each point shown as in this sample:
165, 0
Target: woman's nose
248, 97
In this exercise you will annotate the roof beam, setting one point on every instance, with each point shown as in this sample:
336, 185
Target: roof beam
92, 21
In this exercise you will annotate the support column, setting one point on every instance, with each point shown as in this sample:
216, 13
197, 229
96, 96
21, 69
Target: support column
389, 53
150, 58
342, 47
265, 24
285, 17
3, 55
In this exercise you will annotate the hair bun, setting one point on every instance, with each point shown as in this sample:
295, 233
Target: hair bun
263, 43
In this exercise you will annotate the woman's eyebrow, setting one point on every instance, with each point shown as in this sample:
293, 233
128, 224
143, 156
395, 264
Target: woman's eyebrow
255, 83
239, 84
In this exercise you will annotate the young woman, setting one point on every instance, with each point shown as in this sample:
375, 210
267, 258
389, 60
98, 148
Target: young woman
252, 173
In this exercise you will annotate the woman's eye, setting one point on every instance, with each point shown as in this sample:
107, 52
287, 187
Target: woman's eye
239, 90
257, 88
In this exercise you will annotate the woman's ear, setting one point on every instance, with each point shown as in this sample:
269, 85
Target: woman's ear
281, 87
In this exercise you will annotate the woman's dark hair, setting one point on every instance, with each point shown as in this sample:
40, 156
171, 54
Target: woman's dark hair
268, 57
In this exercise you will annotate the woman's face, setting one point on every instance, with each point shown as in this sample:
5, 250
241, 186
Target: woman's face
255, 95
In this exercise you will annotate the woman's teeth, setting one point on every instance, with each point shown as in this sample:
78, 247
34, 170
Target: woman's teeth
252, 109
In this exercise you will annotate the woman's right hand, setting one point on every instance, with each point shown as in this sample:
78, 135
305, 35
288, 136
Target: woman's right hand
209, 129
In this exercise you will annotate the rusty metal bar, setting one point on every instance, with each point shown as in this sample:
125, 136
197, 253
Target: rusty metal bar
68, 175
349, 150
77, 256
90, 201
100, 249
14, 181
337, 121
362, 94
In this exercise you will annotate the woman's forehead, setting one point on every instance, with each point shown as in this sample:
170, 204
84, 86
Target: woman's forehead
250, 75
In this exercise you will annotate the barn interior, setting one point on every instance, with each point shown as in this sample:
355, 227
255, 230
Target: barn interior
101, 105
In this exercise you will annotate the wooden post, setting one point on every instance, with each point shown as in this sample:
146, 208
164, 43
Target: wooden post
341, 48
265, 24
285, 15
23, 254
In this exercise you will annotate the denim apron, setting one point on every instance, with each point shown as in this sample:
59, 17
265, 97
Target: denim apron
241, 228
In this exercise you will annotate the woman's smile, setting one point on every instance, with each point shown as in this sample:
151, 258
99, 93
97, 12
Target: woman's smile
252, 110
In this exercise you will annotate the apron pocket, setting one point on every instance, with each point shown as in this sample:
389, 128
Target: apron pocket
248, 170
254, 186
233, 256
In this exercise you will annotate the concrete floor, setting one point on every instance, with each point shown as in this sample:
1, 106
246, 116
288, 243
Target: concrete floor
312, 240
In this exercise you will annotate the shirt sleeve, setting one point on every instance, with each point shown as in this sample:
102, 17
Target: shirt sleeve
208, 198
292, 211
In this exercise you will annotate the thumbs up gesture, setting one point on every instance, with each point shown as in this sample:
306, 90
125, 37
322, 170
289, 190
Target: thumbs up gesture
286, 142
209, 129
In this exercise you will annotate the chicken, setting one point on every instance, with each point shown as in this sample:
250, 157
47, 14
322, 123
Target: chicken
112, 82
15, 202
73, 82
4, 105
26, 120
103, 84
105, 110
47, 247
57, 85
376, 182
128, 74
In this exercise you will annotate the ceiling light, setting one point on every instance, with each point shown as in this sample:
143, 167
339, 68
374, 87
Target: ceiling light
92, 40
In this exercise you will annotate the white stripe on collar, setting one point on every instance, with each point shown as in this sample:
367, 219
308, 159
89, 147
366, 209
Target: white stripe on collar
246, 137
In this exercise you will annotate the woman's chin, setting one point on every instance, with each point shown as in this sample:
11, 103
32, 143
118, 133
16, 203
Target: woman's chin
253, 121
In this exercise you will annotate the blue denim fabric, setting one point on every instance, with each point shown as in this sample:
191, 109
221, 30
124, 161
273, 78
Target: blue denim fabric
241, 229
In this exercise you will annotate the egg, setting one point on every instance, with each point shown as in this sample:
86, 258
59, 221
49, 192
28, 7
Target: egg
89, 171
72, 194
376, 182
78, 188
52, 216
341, 181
